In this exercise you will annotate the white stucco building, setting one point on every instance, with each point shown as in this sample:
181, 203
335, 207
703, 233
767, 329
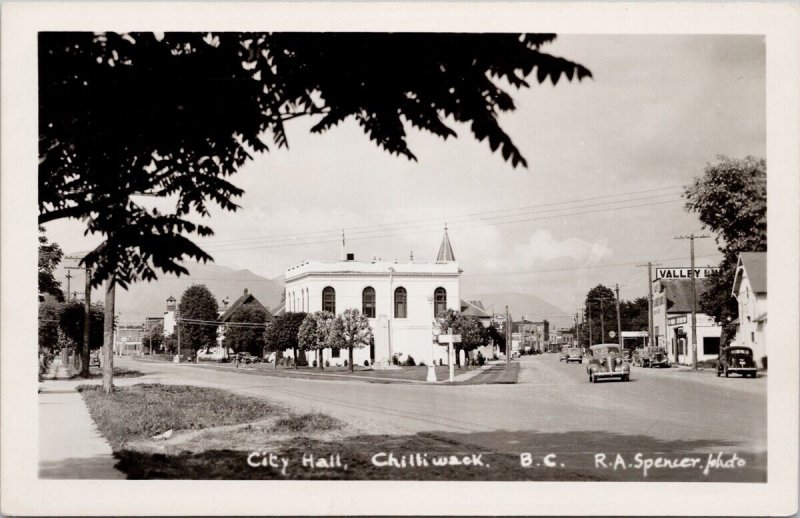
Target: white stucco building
750, 291
400, 299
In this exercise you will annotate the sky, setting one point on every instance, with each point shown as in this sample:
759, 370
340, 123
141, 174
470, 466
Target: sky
608, 158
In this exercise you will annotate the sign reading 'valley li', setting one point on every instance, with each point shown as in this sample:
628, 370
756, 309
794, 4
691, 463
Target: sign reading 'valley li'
685, 273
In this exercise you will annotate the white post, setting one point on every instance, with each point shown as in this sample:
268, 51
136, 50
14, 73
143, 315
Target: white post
431, 367
450, 354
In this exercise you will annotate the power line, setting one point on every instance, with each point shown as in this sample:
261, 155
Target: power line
404, 233
281, 237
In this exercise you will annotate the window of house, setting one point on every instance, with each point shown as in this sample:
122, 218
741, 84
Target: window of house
329, 300
439, 301
335, 352
368, 302
400, 303
752, 337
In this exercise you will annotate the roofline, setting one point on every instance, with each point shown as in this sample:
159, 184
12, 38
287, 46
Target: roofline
372, 274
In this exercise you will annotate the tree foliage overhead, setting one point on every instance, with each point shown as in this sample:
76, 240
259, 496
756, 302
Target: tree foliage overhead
197, 303
50, 256
175, 115
730, 198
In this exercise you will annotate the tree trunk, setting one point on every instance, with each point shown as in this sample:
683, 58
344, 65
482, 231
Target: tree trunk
108, 338
319, 359
275, 361
350, 352
294, 349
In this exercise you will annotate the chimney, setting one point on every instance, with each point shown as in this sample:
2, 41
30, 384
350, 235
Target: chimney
245, 292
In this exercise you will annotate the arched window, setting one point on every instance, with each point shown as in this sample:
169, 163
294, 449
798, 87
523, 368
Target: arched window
368, 302
400, 303
329, 300
439, 301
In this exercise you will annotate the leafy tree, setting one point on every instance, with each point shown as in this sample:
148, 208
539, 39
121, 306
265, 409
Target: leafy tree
731, 200
600, 303
634, 314
498, 336
175, 115
246, 338
473, 334
282, 333
49, 317
197, 304
50, 256
71, 320
154, 337
313, 333
350, 329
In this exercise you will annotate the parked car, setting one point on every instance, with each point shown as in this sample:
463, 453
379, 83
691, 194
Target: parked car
627, 355
651, 357
94, 360
606, 362
737, 360
248, 358
571, 354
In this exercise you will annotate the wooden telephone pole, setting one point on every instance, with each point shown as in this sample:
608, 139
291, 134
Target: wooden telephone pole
650, 325
619, 322
691, 238
87, 316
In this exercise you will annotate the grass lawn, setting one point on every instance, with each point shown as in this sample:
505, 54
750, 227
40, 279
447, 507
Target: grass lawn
141, 411
404, 374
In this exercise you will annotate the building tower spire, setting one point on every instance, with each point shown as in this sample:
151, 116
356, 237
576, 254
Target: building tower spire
445, 249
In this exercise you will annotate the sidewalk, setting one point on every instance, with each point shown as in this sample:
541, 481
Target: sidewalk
69, 445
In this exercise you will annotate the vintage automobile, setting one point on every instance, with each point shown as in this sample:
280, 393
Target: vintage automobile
736, 360
651, 357
247, 358
606, 362
571, 354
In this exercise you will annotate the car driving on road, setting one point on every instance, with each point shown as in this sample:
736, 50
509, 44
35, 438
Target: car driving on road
736, 360
606, 362
651, 357
571, 354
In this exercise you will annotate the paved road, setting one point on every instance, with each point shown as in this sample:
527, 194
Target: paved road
553, 409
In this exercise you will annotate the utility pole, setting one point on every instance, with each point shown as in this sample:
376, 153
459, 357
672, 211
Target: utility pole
602, 323
509, 328
591, 341
87, 315
178, 323
650, 325
619, 322
69, 287
692, 275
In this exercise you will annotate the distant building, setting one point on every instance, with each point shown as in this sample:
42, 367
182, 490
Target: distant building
750, 291
227, 311
672, 321
400, 299
169, 316
530, 335
128, 339
475, 308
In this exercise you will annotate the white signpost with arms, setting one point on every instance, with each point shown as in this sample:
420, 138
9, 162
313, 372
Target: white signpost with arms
450, 339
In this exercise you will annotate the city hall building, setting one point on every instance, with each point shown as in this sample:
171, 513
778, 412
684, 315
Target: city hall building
400, 299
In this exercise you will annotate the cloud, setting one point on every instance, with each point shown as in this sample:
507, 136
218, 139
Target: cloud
544, 249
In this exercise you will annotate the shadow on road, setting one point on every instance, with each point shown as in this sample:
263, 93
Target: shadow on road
498, 455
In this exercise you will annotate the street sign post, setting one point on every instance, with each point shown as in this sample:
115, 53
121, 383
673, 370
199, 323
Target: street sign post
450, 340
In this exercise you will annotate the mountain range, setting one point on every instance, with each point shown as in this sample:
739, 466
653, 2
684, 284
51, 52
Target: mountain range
148, 299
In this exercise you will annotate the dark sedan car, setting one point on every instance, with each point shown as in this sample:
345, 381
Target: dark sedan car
736, 360
606, 362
